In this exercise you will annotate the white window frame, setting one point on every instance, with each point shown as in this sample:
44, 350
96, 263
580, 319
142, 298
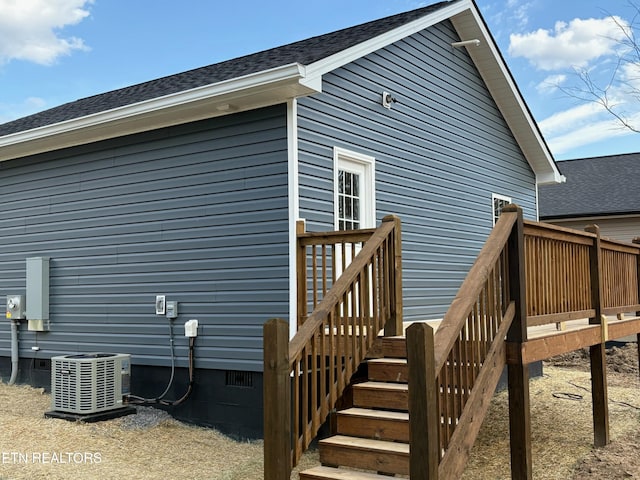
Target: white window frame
494, 197
363, 165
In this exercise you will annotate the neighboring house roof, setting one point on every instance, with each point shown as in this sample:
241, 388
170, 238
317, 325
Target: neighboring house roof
595, 187
267, 78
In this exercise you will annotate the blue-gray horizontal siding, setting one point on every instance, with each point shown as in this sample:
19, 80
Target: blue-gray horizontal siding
441, 151
198, 213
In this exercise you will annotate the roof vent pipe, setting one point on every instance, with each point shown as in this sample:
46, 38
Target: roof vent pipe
466, 43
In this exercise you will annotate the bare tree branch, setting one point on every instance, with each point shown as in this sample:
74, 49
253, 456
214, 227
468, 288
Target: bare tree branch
621, 77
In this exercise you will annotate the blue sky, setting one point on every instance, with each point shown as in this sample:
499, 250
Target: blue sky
55, 51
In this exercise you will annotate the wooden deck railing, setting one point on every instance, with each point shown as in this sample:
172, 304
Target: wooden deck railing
528, 274
465, 362
565, 269
320, 258
304, 378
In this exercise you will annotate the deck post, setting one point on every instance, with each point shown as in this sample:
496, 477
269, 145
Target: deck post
424, 458
518, 382
393, 327
276, 401
597, 352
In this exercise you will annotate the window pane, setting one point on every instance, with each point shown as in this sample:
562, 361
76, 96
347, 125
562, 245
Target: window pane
347, 208
347, 183
356, 209
340, 181
340, 207
356, 185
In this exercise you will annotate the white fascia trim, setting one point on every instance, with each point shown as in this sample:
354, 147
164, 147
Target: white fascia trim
294, 211
551, 174
550, 178
328, 64
292, 73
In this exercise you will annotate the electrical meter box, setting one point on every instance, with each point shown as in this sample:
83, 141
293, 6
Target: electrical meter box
15, 307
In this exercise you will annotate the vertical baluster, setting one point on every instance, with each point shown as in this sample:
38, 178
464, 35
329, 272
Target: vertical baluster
458, 400
374, 319
314, 403
333, 345
324, 407
324, 270
444, 404
297, 419
441, 412
314, 273
304, 367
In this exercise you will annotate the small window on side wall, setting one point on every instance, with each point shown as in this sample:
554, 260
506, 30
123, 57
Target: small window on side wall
499, 201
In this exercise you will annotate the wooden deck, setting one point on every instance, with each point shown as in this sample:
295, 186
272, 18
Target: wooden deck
545, 341
534, 291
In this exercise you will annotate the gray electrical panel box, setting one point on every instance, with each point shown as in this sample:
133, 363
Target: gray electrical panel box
38, 293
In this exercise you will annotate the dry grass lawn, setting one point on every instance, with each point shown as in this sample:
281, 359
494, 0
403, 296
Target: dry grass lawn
32, 447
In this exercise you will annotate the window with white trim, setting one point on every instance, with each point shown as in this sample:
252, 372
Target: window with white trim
354, 196
499, 201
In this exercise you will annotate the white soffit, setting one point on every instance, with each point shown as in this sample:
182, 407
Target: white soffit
257, 90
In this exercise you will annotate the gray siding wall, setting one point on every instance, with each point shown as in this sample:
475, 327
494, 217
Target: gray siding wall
198, 213
440, 152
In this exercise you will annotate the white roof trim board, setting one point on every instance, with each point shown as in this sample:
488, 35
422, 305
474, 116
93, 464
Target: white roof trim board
277, 85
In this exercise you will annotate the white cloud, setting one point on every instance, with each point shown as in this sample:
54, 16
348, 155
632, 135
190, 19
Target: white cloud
551, 83
582, 125
519, 12
30, 29
569, 45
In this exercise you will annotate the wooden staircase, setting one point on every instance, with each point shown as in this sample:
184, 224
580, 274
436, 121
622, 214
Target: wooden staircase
372, 437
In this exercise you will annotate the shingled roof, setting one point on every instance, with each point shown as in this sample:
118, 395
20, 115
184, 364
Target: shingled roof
272, 77
595, 186
304, 52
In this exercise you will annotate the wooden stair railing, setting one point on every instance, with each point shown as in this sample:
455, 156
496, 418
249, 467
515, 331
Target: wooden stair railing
304, 378
454, 373
422, 419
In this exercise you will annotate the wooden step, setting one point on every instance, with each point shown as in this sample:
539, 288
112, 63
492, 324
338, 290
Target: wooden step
374, 424
330, 473
392, 396
375, 455
388, 370
394, 347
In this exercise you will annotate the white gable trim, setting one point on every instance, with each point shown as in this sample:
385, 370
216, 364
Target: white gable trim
351, 54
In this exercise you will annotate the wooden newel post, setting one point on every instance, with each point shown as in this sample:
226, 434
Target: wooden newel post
597, 353
276, 401
519, 401
423, 404
394, 326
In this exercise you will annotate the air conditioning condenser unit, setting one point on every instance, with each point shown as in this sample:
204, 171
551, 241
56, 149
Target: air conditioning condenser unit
89, 383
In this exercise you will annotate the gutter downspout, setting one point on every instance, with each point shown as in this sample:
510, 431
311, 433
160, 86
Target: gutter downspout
14, 352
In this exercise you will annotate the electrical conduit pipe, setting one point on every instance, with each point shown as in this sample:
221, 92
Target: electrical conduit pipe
14, 353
